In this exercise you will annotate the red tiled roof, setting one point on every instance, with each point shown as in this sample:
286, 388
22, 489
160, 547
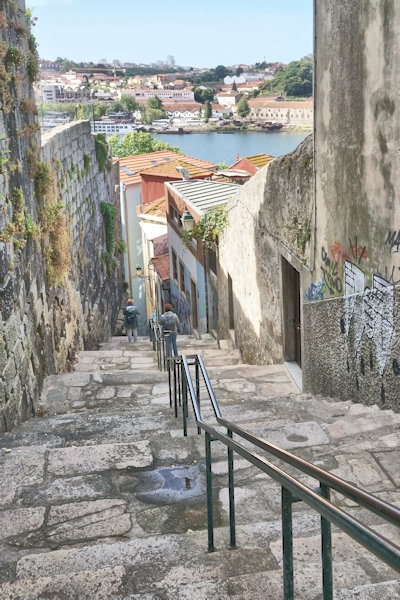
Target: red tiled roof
161, 265
168, 169
156, 208
131, 166
257, 160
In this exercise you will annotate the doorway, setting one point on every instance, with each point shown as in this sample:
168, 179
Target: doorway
291, 313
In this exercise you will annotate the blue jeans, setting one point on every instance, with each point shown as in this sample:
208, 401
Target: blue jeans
170, 337
131, 332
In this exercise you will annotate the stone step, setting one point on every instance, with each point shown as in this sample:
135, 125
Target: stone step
103, 496
179, 566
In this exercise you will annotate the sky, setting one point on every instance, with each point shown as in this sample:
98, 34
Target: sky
197, 33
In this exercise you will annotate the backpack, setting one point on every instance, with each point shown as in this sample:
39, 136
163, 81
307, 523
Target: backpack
131, 319
168, 323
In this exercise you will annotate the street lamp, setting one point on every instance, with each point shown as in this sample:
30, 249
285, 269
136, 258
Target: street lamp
187, 221
139, 272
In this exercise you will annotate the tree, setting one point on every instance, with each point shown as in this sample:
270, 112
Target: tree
239, 71
207, 111
116, 107
154, 102
90, 111
295, 79
153, 114
203, 94
128, 102
137, 142
243, 108
220, 72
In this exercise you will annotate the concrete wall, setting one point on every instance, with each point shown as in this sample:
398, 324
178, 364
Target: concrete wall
344, 195
357, 178
269, 218
58, 294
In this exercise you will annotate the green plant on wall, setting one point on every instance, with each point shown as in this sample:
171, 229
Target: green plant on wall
109, 213
87, 162
101, 148
15, 229
121, 246
52, 226
4, 156
209, 227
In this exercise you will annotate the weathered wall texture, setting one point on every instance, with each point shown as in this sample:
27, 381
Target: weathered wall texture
57, 291
357, 259
349, 273
270, 217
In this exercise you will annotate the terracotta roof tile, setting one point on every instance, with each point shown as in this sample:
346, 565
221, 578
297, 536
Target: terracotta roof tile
131, 166
257, 160
169, 170
161, 265
156, 208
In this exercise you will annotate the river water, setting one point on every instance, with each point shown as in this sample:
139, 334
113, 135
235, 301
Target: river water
226, 147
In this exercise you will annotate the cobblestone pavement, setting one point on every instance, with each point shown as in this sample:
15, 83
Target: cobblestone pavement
104, 498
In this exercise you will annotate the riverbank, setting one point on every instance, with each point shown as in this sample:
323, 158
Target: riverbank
226, 129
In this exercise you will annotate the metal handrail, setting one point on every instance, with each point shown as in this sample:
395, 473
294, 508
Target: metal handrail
363, 498
292, 490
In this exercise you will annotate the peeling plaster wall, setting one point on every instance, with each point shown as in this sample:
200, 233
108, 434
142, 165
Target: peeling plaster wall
357, 258
269, 218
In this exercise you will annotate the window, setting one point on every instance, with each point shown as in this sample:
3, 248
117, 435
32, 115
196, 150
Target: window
182, 277
175, 216
174, 265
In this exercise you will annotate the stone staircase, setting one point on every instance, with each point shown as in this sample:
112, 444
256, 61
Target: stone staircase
103, 497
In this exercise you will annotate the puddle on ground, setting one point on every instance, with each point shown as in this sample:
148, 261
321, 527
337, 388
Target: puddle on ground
295, 437
170, 485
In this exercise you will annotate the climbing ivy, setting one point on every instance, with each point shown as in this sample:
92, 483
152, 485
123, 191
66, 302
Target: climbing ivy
209, 228
109, 213
101, 148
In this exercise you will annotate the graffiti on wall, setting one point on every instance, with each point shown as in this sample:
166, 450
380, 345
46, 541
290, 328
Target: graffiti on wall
393, 240
369, 304
372, 315
332, 267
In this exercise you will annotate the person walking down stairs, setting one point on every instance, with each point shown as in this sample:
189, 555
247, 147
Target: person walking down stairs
169, 321
131, 313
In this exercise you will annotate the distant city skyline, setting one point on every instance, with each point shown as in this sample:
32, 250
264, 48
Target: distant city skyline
201, 35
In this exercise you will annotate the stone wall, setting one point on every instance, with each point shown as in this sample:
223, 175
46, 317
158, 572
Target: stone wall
60, 280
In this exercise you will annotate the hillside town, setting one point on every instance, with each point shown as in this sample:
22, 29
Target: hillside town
176, 95
239, 437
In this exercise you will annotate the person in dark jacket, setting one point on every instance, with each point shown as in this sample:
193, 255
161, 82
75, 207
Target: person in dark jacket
169, 321
131, 313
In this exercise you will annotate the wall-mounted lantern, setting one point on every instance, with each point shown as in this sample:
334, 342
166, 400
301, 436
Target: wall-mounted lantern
187, 221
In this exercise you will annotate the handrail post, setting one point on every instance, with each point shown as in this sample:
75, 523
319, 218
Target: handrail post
232, 524
210, 525
180, 380
175, 390
287, 544
326, 548
184, 402
170, 387
197, 371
